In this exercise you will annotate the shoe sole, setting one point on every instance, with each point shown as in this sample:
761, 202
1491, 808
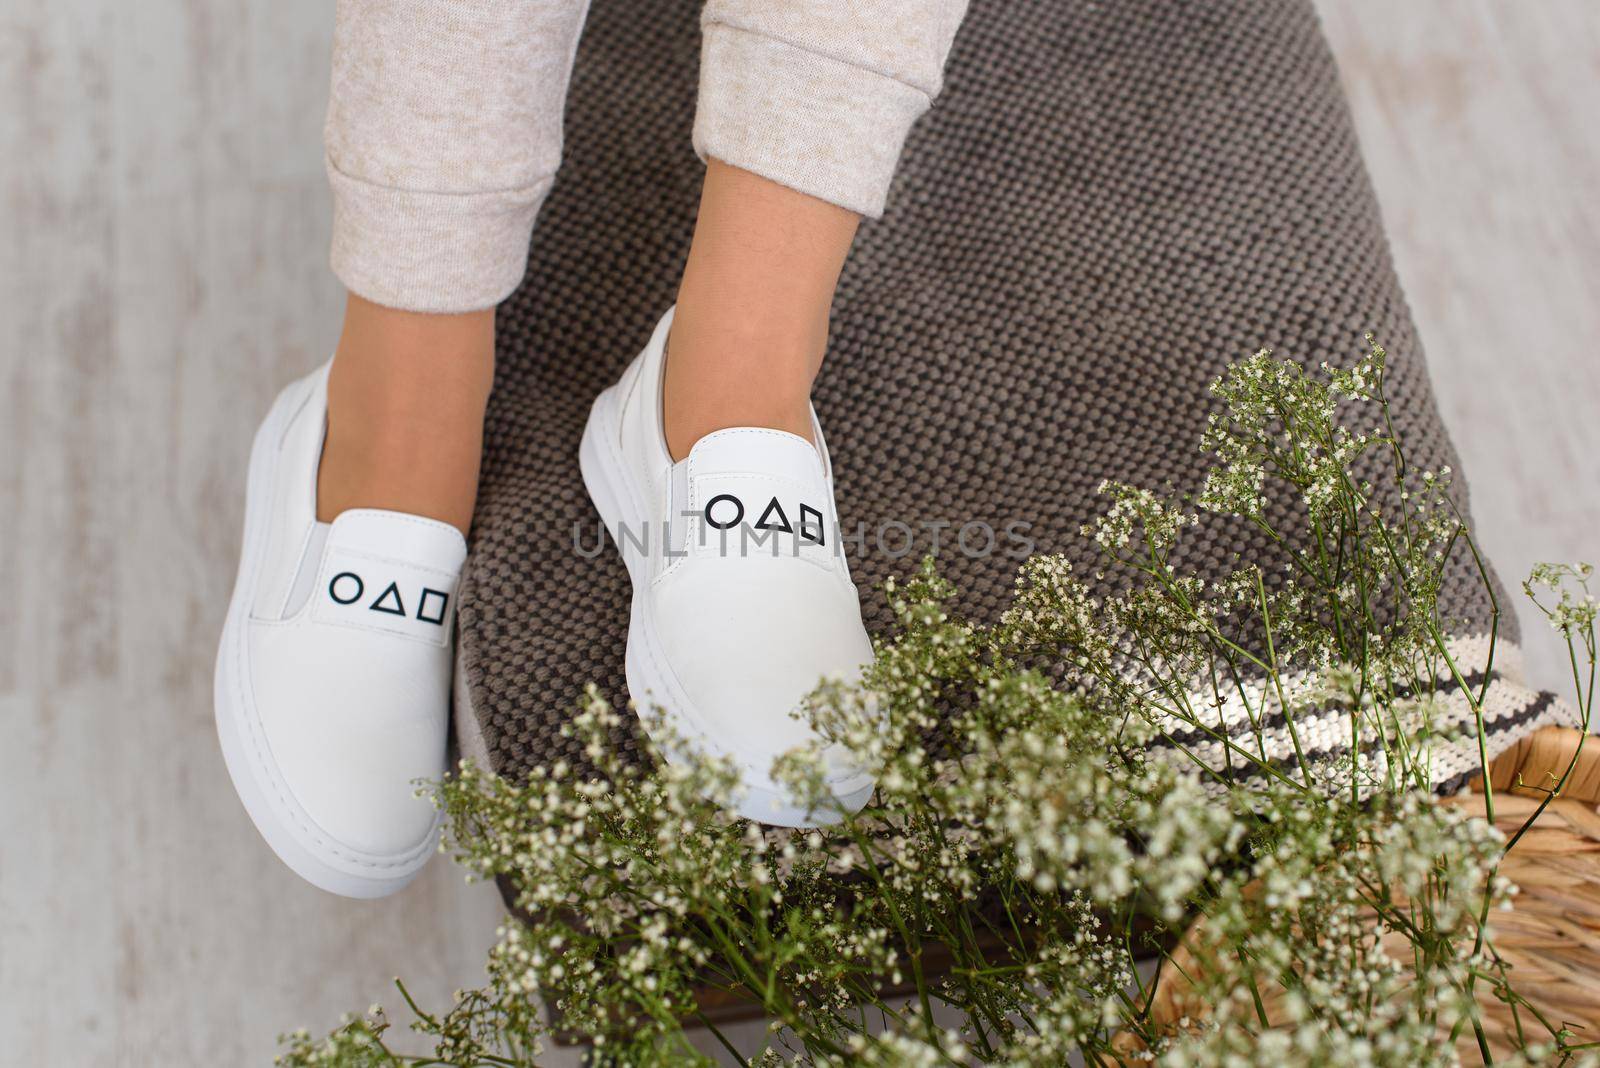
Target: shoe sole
650, 682
245, 750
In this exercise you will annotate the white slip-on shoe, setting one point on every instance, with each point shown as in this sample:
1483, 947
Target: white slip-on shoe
742, 600
333, 675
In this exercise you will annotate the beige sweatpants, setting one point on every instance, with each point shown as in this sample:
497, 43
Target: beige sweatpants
444, 124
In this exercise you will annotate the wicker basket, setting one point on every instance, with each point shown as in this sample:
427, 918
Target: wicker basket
1551, 936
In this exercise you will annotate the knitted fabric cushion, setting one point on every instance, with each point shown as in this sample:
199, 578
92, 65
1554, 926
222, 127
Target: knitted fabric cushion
1109, 204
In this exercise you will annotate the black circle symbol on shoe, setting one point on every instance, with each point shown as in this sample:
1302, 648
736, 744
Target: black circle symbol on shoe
333, 588
737, 503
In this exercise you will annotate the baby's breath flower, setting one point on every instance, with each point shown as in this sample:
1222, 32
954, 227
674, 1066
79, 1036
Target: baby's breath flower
1240, 768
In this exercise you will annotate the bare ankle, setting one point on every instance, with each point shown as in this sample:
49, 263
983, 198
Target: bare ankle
722, 375
406, 399
752, 321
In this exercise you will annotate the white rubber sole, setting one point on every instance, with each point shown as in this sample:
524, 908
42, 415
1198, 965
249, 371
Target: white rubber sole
287, 828
651, 683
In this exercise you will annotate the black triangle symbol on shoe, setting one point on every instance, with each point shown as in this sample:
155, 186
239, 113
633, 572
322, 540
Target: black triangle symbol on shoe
774, 506
392, 594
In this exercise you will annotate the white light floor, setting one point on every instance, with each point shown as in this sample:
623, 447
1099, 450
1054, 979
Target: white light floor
163, 272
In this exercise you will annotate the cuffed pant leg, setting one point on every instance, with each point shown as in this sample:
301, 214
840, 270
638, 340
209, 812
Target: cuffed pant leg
443, 138
818, 95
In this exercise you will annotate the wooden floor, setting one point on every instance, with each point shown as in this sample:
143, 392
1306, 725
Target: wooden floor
163, 272
1477, 120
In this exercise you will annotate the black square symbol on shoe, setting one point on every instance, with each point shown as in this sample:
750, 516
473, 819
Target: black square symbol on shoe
422, 606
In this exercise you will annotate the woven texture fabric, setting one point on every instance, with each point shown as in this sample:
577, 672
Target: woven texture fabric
1109, 204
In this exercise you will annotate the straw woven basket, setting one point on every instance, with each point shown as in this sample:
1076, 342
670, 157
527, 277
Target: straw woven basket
1551, 936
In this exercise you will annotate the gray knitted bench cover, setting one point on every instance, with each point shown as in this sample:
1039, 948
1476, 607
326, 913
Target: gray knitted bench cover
1110, 203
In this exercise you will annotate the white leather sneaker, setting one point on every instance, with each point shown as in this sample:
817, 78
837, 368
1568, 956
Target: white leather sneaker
333, 676
742, 600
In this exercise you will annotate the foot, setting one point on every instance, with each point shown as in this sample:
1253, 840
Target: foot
727, 635
333, 676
